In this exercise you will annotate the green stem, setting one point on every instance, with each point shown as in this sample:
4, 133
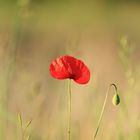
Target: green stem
69, 115
103, 108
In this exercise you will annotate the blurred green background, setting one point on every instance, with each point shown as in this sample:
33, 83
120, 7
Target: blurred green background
103, 33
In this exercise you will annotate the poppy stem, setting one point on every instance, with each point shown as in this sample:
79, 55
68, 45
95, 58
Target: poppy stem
103, 108
69, 115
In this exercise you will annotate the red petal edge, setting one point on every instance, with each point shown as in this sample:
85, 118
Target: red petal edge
69, 67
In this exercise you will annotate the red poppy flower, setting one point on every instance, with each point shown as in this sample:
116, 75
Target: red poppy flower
69, 67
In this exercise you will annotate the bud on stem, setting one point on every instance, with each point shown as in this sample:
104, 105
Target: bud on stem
115, 101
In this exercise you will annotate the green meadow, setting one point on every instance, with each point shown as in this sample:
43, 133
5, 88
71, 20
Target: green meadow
104, 34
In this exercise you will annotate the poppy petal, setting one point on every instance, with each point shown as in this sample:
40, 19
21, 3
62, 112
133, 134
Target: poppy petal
69, 67
83, 76
58, 70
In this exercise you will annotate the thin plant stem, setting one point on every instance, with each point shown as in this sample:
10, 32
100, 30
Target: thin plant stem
20, 121
103, 108
69, 115
25, 129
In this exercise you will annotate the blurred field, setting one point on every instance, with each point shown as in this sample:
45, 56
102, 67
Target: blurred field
104, 34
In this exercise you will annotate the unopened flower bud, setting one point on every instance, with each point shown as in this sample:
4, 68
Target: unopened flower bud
116, 99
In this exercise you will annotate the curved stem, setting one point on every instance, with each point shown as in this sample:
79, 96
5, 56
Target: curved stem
103, 108
69, 115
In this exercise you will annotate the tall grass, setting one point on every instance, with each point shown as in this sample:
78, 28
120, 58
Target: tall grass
50, 25
10, 66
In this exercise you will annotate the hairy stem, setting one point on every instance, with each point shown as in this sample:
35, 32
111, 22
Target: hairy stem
69, 115
103, 108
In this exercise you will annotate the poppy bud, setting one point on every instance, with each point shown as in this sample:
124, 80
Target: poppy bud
116, 99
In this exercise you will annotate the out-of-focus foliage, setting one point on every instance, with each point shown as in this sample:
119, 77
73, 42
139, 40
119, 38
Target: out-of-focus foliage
104, 34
